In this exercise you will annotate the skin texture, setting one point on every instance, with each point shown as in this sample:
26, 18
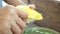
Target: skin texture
12, 21
15, 2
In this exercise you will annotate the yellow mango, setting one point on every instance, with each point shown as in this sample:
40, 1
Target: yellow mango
32, 14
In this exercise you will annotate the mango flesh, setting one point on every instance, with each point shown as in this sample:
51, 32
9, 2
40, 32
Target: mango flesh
32, 14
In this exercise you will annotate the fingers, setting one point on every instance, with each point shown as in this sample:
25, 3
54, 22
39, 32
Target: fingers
22, 14
10, 32
16, 29
11, 9
21, 24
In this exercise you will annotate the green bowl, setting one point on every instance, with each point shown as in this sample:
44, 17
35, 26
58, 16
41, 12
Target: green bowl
40, 30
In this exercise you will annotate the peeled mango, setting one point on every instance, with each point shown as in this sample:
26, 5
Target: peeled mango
32, 14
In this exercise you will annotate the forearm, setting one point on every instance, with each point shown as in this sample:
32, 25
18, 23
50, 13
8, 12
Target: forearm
15, 2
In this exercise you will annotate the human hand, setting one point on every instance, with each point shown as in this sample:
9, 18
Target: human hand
12, 20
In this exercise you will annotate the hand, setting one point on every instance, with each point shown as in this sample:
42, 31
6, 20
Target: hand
12, 20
